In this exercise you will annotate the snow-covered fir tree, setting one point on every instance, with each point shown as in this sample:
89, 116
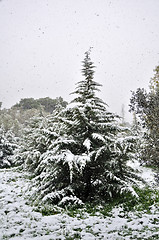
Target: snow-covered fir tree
31, 144
8, 144
86, 152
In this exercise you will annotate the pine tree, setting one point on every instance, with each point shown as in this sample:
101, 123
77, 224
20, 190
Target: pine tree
79, 153
8, 144
90, 154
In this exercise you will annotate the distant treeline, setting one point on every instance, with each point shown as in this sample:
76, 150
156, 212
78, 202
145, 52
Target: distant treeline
47, 104
16, 117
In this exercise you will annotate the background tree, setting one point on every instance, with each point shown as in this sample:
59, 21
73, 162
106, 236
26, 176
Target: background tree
27, 103
17, 117
146, 106
50, 105
47, 104
8, 143
154, 82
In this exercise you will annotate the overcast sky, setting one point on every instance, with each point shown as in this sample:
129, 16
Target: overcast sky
42, 44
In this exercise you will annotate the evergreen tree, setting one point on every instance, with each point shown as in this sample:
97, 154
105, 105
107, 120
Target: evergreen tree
36, 141
90, 153
146, 106
32, 143
8, 143
79, 153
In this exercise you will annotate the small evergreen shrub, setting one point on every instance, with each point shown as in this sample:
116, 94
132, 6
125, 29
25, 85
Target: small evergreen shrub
8, 144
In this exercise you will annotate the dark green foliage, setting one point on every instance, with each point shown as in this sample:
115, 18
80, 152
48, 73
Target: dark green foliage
48, 104
27, 103
146, 106
8, 144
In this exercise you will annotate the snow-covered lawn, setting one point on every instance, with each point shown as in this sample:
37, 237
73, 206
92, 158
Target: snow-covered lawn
18, 220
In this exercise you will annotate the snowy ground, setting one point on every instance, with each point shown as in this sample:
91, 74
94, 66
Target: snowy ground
18, 220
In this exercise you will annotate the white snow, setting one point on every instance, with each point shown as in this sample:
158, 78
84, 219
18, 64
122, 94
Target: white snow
77, 161
98, 136
145, 173
19, 221
87, 144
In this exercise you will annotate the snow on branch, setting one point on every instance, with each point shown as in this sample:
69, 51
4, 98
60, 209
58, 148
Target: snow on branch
77, 162
87, 144
98, 137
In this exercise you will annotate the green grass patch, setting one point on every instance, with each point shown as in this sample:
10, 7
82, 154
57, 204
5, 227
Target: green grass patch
147, 198
47, 210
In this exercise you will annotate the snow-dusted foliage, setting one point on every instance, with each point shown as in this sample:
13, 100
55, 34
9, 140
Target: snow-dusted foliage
80, 153
8, 143
146, 107
36, 142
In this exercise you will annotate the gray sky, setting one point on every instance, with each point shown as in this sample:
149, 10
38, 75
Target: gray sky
42, 44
